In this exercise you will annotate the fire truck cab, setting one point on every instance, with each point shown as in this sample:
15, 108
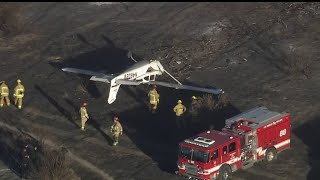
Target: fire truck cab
255, 135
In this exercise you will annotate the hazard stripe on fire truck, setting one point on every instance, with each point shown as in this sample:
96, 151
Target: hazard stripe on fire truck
230, 162
216, 168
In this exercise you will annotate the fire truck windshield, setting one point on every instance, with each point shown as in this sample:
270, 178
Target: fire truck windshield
194, 155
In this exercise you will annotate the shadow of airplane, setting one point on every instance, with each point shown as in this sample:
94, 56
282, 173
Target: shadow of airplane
108, 60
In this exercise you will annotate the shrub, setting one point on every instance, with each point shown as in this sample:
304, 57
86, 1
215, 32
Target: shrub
45, 163
300, 64
51, 164
208, 108
209, 103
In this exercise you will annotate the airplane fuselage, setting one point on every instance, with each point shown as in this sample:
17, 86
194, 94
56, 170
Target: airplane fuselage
141, 72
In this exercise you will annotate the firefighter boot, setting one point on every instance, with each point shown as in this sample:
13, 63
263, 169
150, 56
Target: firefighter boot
19, 103
153, 108
83, 123
150, 108
115, 139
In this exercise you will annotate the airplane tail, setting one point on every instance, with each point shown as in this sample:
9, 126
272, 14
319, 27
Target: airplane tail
114, 88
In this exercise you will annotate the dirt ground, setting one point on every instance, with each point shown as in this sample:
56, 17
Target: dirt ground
258, 53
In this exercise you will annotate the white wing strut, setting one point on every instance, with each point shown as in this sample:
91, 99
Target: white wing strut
172, 77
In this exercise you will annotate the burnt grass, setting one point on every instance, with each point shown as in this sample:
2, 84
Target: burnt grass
260, 33
308, 133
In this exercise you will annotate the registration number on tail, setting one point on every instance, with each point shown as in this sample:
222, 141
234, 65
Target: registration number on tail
130, 75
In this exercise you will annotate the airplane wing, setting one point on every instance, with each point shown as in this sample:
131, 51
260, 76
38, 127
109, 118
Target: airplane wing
187, 87
96, 76
82, 71
128, 82
171, 85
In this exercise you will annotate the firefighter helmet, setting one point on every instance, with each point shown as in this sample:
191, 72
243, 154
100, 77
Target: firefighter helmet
193, 97
1, 82
19, 81
179, 101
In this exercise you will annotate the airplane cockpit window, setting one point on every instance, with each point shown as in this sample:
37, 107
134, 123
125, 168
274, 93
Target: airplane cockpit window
147, 78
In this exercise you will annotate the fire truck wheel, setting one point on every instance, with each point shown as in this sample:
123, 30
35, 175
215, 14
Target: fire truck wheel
224, 173
271, 154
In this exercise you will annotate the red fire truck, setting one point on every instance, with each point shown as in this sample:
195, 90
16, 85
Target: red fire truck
254, 135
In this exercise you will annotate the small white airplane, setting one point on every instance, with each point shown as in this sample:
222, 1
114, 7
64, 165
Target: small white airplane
143, 72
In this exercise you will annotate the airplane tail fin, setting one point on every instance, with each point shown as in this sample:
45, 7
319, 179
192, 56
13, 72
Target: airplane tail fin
114, 88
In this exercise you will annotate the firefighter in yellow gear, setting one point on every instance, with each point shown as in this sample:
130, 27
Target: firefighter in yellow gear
153, 99
180, 109
4, 94
18, 94
84, 115
116, 130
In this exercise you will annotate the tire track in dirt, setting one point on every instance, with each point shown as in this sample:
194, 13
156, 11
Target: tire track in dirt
262, 173
44, 13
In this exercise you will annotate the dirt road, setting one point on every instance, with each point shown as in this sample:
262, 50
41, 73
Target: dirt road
6, 173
